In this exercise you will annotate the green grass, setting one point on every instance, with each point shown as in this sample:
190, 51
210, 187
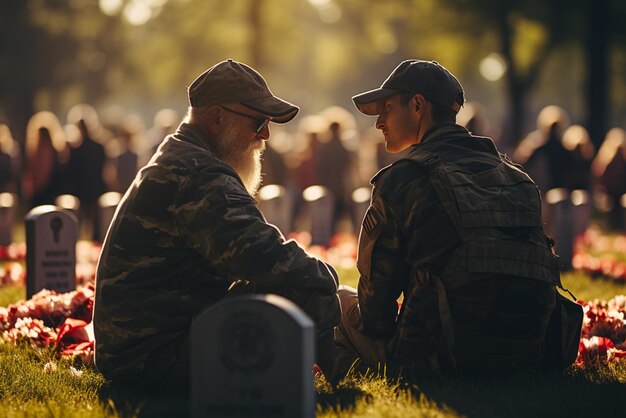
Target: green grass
588, 288
11, 294
26, 390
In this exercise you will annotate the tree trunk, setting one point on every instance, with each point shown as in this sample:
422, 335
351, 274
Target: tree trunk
16, 90
597, 55
515, 86
256, 34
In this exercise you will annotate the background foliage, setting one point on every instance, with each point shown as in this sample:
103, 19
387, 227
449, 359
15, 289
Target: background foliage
141, 54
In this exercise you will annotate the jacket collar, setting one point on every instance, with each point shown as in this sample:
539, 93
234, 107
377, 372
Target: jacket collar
190, 134
440, 130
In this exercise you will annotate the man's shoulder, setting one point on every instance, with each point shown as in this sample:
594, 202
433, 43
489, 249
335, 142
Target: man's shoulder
401, 171
180, 156
402, 181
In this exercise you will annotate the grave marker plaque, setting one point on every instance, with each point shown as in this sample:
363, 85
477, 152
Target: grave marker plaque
360, 203
321, 207
251, 356
7, 217
107, 204
560, 210
276, 205
51, 234
69, 203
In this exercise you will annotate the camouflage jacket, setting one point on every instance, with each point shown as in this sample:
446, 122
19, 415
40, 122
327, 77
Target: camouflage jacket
414, 242
184, 232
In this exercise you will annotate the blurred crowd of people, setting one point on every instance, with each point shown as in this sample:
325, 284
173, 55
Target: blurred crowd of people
89, 155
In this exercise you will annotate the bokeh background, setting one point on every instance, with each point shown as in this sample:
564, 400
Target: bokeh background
514, 57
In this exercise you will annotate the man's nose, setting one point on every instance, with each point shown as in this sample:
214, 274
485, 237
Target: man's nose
264, 133
380, 122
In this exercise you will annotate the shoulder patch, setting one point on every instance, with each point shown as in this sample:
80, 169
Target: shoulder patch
371, 222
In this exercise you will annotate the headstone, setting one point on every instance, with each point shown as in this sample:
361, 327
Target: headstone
560, 218
320, 206
107, 204
582, 209
360, 203
251, 356
70, 203
7, 217
277, 206
622, 202
51, 234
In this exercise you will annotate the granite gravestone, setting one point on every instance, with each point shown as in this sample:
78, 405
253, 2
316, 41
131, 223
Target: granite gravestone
70, 203
582, 210
560, 211
276, 205
107, 204
51, 234
622, 202
7, 217
251, 356
321, 206
360, 203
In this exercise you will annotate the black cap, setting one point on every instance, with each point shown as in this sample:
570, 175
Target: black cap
428, 78
231, 81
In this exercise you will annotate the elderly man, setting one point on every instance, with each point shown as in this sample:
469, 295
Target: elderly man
456, 229
188, 231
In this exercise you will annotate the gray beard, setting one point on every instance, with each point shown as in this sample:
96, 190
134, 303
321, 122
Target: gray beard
246, 161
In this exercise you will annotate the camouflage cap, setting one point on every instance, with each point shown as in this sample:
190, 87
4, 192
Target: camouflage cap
428, 78
231, 81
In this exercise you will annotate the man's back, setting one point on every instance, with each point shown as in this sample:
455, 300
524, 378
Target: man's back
495, 306
146, 273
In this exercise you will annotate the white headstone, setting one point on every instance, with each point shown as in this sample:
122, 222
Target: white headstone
582, 209
321, 207
622, 202
107, 204
251, 356
51, 234
70, 203
276, 205
7, 217
560, 210
360, 203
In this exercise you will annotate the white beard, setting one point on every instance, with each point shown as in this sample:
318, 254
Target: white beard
245, 160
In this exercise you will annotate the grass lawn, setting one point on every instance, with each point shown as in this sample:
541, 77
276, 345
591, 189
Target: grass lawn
29, 388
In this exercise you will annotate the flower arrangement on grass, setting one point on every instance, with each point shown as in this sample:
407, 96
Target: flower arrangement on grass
603, 337
62, 321
600, 254
50, 319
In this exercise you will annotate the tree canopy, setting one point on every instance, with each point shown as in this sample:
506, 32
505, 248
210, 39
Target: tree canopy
141, 54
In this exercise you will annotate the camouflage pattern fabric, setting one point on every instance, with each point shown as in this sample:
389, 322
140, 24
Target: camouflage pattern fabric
185, 232
436, 236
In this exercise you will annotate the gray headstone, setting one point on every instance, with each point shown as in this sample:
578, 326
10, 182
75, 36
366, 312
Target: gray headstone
320, 206
582, 209
560, 209
51, 234
70, 203
622, 202
360, 203
8, 202
107, 204
251, 356
277, 206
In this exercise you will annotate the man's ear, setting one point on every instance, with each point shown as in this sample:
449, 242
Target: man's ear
420, 102
214, 117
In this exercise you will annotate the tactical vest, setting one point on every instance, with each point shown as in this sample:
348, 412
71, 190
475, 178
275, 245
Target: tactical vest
481, 205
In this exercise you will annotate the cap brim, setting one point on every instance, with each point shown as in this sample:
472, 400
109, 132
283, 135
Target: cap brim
368, 102
280, 110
